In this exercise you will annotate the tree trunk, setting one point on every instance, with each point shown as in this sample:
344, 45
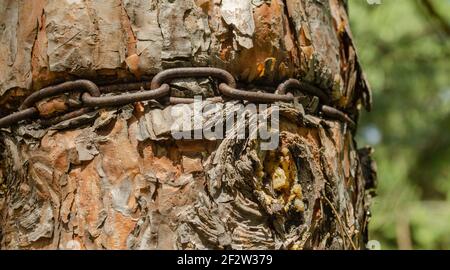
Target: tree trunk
116, 180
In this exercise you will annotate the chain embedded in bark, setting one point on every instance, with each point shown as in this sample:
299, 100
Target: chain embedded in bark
159, 89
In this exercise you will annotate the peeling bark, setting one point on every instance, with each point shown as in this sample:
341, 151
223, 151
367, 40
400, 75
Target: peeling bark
258, 41
115, 178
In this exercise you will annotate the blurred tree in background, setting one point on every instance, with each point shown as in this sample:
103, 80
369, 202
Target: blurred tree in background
405, 49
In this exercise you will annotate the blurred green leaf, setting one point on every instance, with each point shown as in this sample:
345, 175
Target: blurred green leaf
406, 55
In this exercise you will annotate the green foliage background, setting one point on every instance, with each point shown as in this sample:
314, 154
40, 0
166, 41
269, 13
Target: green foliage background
405, 52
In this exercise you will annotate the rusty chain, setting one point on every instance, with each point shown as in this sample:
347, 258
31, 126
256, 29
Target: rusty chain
158, 89
291, 84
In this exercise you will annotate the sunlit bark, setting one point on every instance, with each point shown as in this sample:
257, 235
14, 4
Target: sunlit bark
119, 181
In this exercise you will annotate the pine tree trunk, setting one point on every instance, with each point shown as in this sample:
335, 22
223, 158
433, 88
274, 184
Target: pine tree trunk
116, 180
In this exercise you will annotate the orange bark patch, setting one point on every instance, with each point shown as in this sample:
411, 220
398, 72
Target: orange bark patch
119, 154
267, 60
192, 164
40, 71
46, 108
88, 199
205, 5
121, 226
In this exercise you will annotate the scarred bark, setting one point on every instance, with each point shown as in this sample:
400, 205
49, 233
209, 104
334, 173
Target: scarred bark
118, 180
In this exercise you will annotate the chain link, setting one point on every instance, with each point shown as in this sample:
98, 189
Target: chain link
176, 73
65, 87
334, 113
159, 89
16, 117
305, 87
231, 92
117, 100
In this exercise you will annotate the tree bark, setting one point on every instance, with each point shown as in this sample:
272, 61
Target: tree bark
116, 180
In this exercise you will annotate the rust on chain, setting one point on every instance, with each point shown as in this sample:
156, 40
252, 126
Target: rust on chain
126, 98
27, 111
159, 88
290, 84
158, 85
326, 110
70, 115
174, 73
124, 87
18, 116
65, 87
232, 92
179, 100
334, 113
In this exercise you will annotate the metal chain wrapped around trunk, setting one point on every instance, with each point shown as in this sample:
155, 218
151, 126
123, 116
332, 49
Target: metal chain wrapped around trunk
91, 95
